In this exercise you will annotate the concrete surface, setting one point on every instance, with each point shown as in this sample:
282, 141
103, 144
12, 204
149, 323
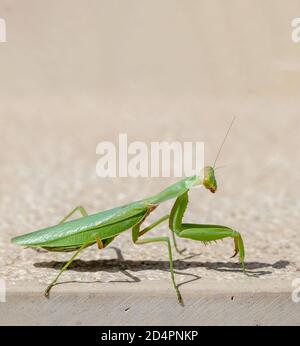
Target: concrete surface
73, 75
152, 303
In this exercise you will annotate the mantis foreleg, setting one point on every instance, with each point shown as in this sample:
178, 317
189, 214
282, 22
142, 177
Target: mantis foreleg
204, 233
175, 244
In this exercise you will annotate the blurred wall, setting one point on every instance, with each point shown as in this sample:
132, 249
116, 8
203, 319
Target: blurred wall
224, 48
76, 72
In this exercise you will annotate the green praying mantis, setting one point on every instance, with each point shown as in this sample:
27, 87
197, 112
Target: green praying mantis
103, 227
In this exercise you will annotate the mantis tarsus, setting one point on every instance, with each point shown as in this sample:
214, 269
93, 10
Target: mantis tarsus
103, 227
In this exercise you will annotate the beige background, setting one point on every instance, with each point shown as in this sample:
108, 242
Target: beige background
74, 73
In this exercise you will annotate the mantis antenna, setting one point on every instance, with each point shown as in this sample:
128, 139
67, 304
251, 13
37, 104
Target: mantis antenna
220, 167
224, 140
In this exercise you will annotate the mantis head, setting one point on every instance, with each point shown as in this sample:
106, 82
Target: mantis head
209, 180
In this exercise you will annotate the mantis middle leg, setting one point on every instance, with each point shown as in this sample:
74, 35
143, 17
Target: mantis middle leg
156, 223
136, 233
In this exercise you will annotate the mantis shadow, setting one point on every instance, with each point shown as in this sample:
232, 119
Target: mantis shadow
121, 265
112, 266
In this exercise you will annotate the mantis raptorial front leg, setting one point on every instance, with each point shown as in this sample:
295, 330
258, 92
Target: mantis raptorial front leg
175, 245
204, 233
136, 233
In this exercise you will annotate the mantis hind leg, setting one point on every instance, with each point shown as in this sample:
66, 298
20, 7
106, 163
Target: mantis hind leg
83, 213
203, 233
79, 208
103, 243
47, 291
